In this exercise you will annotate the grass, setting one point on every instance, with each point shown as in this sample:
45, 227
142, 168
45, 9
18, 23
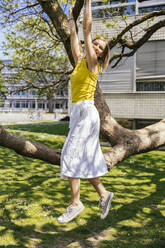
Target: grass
32, 196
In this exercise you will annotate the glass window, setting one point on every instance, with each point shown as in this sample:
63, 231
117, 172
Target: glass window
18, 93
24, 105
32, 92
57, 105
124, 10
24, 93
151, 9
40, 105
32, 104
97, 13
150, 86
93, 4
117, 11
112, 2
121, 1
17, 104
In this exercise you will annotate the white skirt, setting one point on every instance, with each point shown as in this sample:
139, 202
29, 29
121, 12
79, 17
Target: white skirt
81, 154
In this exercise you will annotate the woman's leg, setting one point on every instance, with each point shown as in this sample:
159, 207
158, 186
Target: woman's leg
105, 196
75, 190
76, 207
97, 184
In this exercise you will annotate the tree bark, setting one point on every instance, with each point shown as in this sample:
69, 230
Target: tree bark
50, 104
29, 148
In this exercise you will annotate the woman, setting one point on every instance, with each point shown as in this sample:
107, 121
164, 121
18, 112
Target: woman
81, 155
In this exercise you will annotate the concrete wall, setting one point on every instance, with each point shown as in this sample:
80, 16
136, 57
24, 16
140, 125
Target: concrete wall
137, 105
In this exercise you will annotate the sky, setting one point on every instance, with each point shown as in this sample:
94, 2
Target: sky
2, 38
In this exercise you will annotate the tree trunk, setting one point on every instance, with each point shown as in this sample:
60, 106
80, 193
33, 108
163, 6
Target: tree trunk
50, 104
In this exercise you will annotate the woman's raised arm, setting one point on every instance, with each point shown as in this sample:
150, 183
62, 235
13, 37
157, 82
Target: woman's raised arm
87, 27
75, 43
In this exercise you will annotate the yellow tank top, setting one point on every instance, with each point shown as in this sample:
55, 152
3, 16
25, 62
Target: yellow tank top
83, 82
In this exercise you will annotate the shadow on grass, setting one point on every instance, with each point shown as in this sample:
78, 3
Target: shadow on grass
23, 182
51, 141
57, 128
30, 189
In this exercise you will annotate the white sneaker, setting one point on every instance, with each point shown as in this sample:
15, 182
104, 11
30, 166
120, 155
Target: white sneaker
105, 205
70, 213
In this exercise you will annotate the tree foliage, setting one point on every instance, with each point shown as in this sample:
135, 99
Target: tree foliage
36, 51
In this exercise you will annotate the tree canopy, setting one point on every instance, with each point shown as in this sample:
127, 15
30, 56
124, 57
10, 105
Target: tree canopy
37, 56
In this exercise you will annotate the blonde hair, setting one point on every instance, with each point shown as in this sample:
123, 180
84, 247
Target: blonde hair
104, 59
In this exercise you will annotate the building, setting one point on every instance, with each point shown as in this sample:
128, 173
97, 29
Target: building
135, 89
26, 100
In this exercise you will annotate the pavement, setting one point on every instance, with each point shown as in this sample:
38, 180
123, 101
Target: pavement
30, 116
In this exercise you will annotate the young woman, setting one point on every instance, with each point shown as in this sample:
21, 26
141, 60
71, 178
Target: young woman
81, 155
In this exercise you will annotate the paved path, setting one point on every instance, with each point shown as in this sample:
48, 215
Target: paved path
10, 117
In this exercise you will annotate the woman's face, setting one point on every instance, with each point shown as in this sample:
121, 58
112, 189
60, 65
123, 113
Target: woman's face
99, 46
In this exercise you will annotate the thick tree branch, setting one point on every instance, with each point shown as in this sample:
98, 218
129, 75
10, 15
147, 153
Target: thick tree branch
135, 141
29, 148
113, 42
149, 32
136, 45
128, 143
60, 21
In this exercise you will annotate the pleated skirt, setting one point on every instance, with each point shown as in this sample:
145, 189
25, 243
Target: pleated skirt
81, 154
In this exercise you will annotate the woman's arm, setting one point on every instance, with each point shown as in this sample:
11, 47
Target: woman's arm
75, 43
87, 27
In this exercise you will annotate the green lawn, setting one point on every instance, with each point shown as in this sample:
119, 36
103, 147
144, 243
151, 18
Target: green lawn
32, 196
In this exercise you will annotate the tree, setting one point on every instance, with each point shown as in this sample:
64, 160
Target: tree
124, 142
38, 59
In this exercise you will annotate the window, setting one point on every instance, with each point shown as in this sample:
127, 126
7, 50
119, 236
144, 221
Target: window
112, 2
17, 104
151, 8
40, 105
114, 11
150, 63
32, 92
24, 105
98, 13
17, 93
24, 93
32, 104
150, 86
57, 105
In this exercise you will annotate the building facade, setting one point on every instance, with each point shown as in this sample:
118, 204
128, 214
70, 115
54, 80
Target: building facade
26, 100
29, 100
135, 88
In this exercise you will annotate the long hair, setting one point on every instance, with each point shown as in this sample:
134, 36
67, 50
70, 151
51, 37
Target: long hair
104, 59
